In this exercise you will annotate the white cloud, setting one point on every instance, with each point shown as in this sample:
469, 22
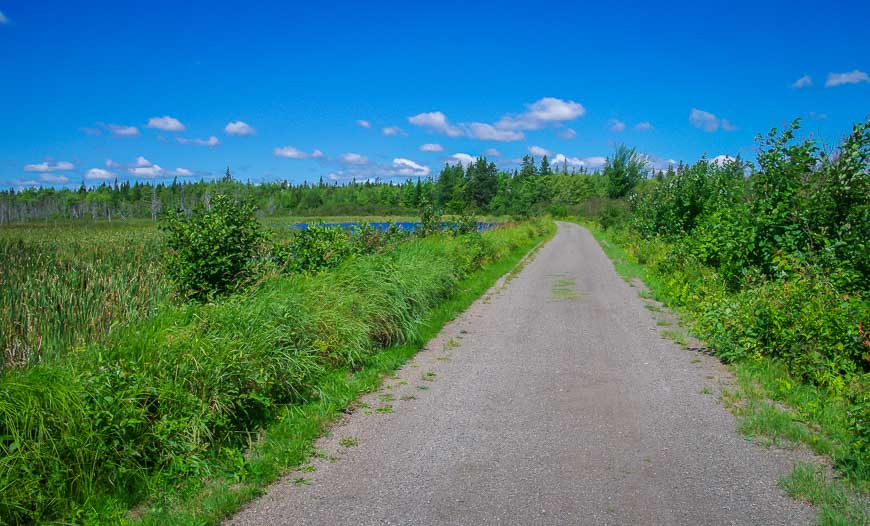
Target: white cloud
643, 126
487, 132
802, 82
537, 150
852, 77
703, 120
567, 134
435, 121
354, 158
210, 142
727, 126
46, 167
54, 179
431, 147
316, 154
541, 113
141, 161
289, 152
408, 168
462, 158
364, 123
615, 125
492, 152
183, 172
239, 128
148, 172
392, 131
166, 123
590, 163
99, 174
120, 130
3, 19
112, 164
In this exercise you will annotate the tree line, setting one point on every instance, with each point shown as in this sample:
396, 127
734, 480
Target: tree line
533, 188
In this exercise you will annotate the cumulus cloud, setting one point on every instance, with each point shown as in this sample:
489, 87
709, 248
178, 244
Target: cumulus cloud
590, 163
615, 125
487, 132
392, 131
47, 167
803, 82
399, 167
548, 111
148, 172
567, 134
431, 147
210, 142
643, 126
364, 123
120, 130
704, 120
461, 158
354, 158
408, 168
537, 150
166, 123
289, 152
54, 179
239, 128
852, 77
492, 152
541, 113
99, 174
183, 172
435, 121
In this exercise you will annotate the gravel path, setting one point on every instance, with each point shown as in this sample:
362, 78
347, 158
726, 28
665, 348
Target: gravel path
552, 400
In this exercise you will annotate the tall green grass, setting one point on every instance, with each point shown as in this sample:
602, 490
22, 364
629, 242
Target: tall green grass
64, 286
174, 397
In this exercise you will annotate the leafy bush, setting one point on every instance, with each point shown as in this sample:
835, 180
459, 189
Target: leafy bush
212, 251
466, 223
316, 248
430, 219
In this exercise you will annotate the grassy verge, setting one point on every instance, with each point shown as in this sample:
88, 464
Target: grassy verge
196, 410
288, 443
772, 406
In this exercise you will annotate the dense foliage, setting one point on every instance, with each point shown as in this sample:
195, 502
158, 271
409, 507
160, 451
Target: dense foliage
772, 261
212, 250
188, 389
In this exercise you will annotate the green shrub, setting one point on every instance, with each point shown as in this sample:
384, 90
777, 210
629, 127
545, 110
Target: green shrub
430, 219
316, 248
213, 250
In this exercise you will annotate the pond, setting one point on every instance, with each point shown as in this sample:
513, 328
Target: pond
405, 226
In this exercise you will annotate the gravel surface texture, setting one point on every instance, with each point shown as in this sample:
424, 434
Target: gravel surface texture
553, 400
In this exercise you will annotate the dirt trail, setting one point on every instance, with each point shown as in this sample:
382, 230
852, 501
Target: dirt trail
552, 400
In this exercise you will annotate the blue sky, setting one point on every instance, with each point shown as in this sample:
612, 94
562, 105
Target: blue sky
296, 91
